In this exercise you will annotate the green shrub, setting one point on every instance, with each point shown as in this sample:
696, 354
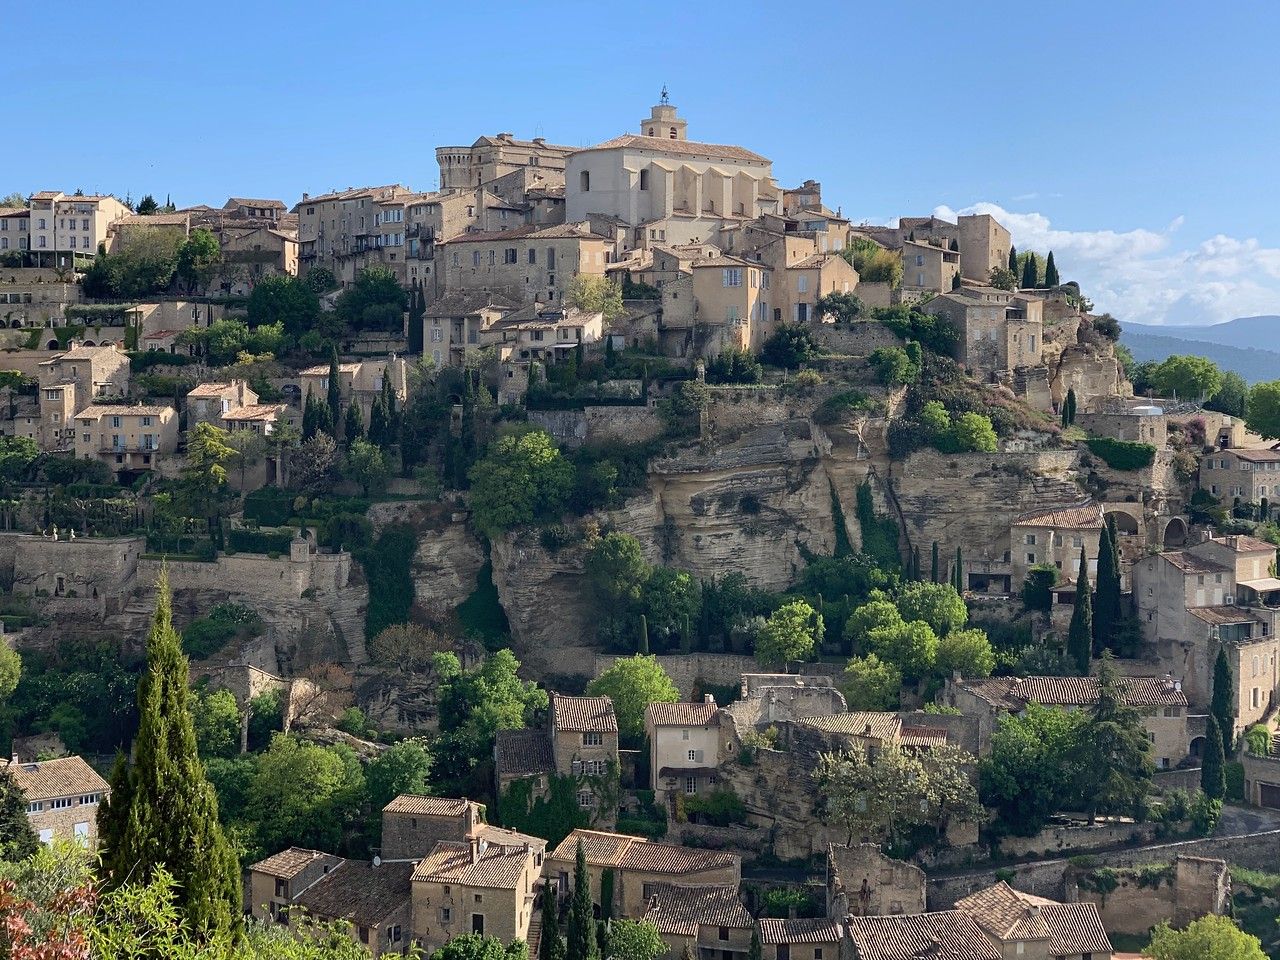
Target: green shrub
837, 407
269, 506
260, 541
1258, 737
720, 807
387, 567
1234, 771
1122, 454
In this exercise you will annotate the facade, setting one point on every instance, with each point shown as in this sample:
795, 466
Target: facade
275, 882
359, 382
62, 798
984, 245
126, 438
736, 295
709, 922
1055, 536
70, 382
640, 867
800, 939
998, 330
453, 324
491, 158
862, 881
264, 419
537, 335
337, 230
812, 278
128, 228
927, 268
1024, 925
1249, 474
412, 825
63, 228
527, 264
210, 402
667, 187
684, 741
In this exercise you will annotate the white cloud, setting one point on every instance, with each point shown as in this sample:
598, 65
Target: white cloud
1141, 275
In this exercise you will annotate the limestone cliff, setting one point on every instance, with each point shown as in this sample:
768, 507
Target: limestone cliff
448, 555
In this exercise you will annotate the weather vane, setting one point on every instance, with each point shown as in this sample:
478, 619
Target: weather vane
665, 98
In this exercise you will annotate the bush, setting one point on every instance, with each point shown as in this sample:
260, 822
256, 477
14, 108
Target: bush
1258, 737
260, 541
734, 366
1122, 454
836, 408
719, 808
270, 506
208, 635
1234, 771
790, 347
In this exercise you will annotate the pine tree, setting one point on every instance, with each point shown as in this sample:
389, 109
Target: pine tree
417, 311
172, 814
1222, 707
1013, 260
915, 563
933, 564
1051, 279
1080, 633
581, 941
335, 394
1030, 272
1107, 611
1213, 771
551, 946
353, 426
17, 840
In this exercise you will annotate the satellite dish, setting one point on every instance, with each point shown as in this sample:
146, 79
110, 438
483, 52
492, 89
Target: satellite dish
377, 861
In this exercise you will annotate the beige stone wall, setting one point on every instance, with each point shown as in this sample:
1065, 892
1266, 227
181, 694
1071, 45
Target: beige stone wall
78, 822
506, 912
519, 279
598, 424
260, 576
408, 836
1193, 887
859, 340
892, 886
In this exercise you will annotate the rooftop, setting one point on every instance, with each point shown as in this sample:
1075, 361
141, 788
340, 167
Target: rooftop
122, 410
583, 714
287, 864
234, 202
359, 892
495, 866
625, 852
561, 231
948, 934
688, 148
459, 303
211, 390
800, 931
523, 752
859, 723
1074, 691
413, 803
1006, 914
257, 411
679, 911
1240, 543
1190, 563
681, 714
50, 779
1083, 516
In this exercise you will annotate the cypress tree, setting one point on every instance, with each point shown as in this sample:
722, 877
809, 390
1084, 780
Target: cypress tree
1107, 610
172, 814
1013, 259
1222, 707
1080, 633
606, 895
353, 426
17, 840
581, 942
551, 946
957, 575
1030, 272
1213, 771
417, 311
309, 417
643, 646
955, 281
756, 952
1069, 407
933, 565
1051, 278
378, 425
335, 395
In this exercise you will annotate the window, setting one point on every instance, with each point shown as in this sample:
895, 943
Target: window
644, 179
802, 284
919, 260
724, 933
584, 181
146, 421
693, 755
1030, 540
393, 934
1031, 558
684, 734
364, 934
437, 335
584, 799
493, 255
784, 951
592, 739
282, 887
62, 803
551, 260
477, 923
34, 806
731, 277
475, 258
533, 255
509, 255
446, 915
817, 953
691, 785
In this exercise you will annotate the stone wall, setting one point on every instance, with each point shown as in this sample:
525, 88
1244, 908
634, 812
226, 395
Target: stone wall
254, 575
724, 670
1189, 888
733, 410
859, 339
448, 556
1062, 839
599, 424
1045, 878
102, 569
862, 881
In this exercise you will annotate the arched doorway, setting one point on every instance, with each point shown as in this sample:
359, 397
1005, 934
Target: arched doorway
1175, 533
88, 343
51, 345
1126, 525
1197, 747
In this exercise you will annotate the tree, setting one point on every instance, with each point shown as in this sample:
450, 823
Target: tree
581, 937
755, 951
1213, 777
551, 946
376, 301
303, 794
791, 633
17, 840
1051, 278
634, 940
147, 206
404, 767
967, 652
1069, 406
869, 683
937, 604
367, 466
632, 683
911, 647
1013, 259
197, 256
333, 399
893, 366
417, 312
522, 478
876, 614
1232, 397
409, 646
1107, 608
973, 432
286, 300
957, 572
617, 571
1003, 279
592, 294
475, 946
10, 670
1190, 378
790, 346
1262, 412
216, 717
1030, 273
1210, 937
1222, 706
734, 366
1029, 775
671, 599
171, 818
1080, 632
353, 425
1037, 589
843, 307
312, 464
204, 475
1113, 768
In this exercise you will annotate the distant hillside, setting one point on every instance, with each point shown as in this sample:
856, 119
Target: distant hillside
1252, 363
1245, 332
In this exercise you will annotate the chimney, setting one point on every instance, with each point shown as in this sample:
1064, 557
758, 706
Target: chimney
305, 196
475, 848
709, 698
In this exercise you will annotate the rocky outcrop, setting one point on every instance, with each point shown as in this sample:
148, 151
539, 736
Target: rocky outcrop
448, 557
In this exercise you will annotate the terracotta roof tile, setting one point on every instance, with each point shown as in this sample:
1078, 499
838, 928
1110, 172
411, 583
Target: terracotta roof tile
948, 934
688, 148
123, 410
413, 803
583, 714
680, 910
359, 892
635, 853
497, 866
1004, 914
1083, 691
521, 753
800, 931
562, 231
1074, 929
211, 390
682, 714
287, 864
1220, 615
1085, 516
1190, 563
50, 779
858, 723
1242, 543
258, 411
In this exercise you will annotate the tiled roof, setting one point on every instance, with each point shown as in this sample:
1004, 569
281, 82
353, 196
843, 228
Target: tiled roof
287, 864
1190, 563
1074, 929
1220, 615
259, 411
680, 910
583, 714
995, 690
521, 753
122, 410
460, 303
84, 353
359, 892
498, 867
858, 723
1083, 691
800, 931
813, 262
922, 736
1241, 543
153, 220
50, 779
322, 369
635, 853
1002, 912
1255, 455
253, 202
726, 260
689, 148
947, 934
682, 714
502, 836
211, 390
413, 803
1086, 516
354, 192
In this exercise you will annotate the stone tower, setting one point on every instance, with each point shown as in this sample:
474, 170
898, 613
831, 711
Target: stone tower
664, 122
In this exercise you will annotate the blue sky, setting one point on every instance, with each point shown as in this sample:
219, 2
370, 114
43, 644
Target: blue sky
1139, 139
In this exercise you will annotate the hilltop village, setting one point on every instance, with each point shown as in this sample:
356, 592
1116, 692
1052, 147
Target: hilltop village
614, 553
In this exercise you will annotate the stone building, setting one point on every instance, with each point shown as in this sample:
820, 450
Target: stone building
862, 881
800, 939
709, 922
984, 245
1130, 421
735, 295
62, 798
337, 230
927, 268
359, 381
276, 881
1023, 925
998, 331
412, 825
639, 867
210, 402
942, 933
1055, 536
492, 158
70, 382
126, 438
373, 898
1248, 474
526, 264
66, 230
1190, 888
452, 325
683, 747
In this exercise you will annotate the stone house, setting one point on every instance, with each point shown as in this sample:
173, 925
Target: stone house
526, 264
684, 740
1129, 421
252, 250
359, 381
942, 933
874, 731
1261, 780
66, 228
431, 218
62, 798
210, 402
639, 867
412, 824
1055, 535
126, 438
800, 939
984, 245
374, 898
337, 230
1023, 925
1247, 474
264, 419
862, 881
129, 228
491, 158
452, 325
927, 268
734, 294
1160, 701
274, 883
710, 922
523, 755
998, 331
484, 884
70, 382
812, 278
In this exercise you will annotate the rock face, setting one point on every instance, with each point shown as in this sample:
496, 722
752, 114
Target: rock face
448, 556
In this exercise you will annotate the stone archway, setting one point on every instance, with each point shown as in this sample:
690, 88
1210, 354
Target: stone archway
1197, 747
51, 345
88, 343
1175, 533
1126, 523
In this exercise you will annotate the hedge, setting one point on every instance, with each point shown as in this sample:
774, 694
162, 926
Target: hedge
270, 506
260, 541
1122, 454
